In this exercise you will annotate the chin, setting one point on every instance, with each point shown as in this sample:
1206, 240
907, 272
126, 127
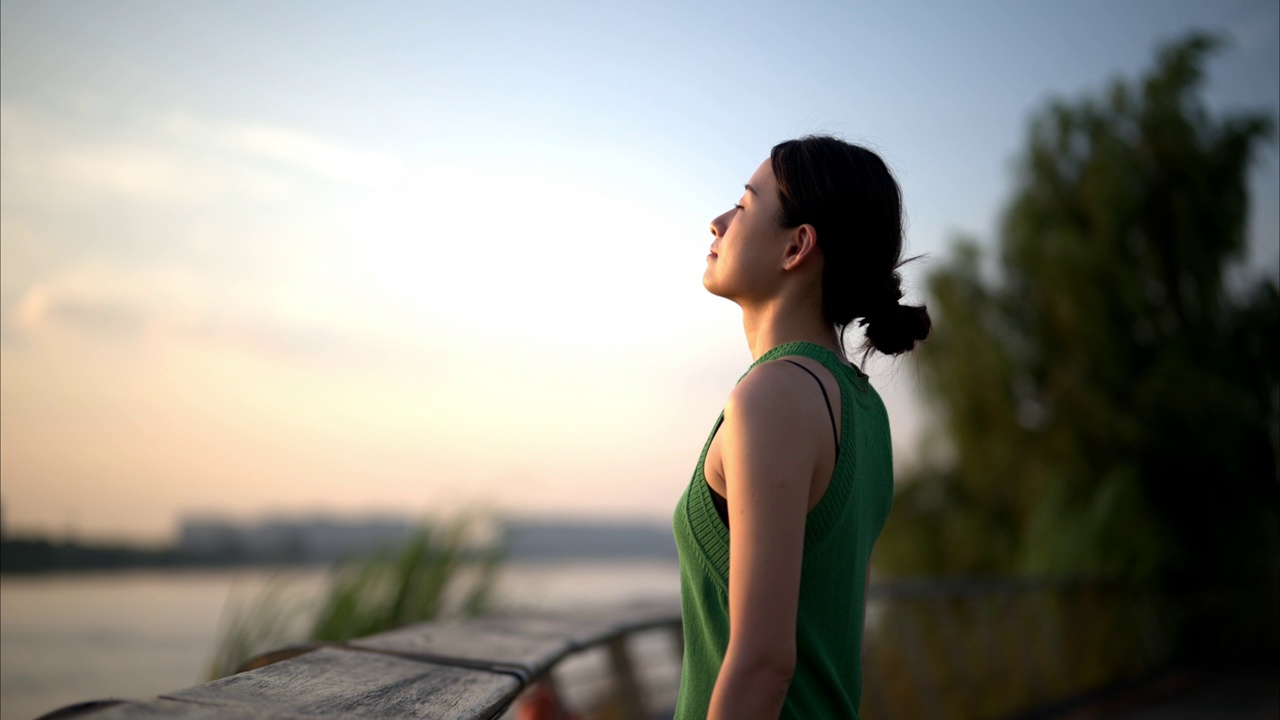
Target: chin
712, 288
709, 282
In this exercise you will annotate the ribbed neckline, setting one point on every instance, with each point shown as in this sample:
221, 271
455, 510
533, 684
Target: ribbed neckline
824, 355
711, 532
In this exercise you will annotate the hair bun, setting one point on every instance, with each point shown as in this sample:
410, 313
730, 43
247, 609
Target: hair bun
895, 329
851, 199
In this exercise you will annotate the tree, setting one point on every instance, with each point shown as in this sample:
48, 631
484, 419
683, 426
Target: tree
1110, 404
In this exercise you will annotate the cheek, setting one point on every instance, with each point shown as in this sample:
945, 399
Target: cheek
746, 253
738, 268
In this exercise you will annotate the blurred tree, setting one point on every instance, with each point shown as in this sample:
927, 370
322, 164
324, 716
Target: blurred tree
1109, 403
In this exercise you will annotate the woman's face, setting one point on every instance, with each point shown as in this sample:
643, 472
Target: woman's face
746, 255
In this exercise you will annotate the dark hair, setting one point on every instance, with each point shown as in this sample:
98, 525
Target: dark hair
850, 198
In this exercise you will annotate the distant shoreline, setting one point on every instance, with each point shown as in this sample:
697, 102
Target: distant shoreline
523, 542
36, 556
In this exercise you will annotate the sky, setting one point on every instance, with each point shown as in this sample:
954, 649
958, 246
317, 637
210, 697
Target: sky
297, 258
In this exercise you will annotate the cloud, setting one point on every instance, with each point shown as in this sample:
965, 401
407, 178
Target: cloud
173, 157
287, 341
113, 320
135, 173
175, 228
169, 305
283, 147
311, 153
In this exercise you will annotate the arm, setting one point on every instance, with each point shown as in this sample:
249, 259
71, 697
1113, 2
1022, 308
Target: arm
769, 451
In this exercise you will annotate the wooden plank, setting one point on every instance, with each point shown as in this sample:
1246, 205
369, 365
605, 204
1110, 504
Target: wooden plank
578, 630
160, 709
626, 682
348, 683
460, 669
599, 625
524, 647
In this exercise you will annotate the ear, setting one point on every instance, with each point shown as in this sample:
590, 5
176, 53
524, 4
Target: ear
802, 245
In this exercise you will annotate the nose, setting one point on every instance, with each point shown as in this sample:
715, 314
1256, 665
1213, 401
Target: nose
719, 224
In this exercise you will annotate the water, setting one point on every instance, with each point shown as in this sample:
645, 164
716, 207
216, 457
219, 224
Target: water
70, 637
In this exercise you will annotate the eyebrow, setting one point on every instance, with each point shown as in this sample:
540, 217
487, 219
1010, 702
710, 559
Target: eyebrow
751, 189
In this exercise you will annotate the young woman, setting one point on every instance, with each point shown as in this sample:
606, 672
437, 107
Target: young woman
793, 486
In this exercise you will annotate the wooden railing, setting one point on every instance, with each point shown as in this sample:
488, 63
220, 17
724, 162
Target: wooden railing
459, 670
934, 648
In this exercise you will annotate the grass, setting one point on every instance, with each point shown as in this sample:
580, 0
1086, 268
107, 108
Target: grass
438, 573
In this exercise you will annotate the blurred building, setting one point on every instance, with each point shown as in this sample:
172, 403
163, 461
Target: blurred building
306, 540
324, 540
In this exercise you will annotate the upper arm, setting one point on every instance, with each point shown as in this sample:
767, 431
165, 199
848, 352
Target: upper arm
769, 454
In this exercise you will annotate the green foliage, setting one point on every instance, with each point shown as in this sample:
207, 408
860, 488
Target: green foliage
430, 577
1038, 645
251, 624
1109, 402
436, 574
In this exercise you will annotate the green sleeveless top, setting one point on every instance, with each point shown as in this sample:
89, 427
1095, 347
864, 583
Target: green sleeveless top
838, 535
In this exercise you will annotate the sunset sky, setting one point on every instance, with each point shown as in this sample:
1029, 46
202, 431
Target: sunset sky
302, 257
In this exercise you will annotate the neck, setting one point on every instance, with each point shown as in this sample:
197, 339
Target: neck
778, 322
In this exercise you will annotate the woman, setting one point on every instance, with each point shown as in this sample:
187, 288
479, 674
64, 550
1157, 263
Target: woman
793, 486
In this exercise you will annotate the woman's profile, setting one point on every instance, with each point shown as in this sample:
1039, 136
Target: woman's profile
794, 484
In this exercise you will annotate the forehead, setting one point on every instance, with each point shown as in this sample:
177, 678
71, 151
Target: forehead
762, 179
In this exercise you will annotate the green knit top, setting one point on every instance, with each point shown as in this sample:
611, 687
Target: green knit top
838, 535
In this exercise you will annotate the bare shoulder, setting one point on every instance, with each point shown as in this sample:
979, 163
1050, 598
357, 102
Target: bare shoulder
772, 393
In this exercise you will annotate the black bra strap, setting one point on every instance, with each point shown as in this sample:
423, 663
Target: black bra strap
825, 399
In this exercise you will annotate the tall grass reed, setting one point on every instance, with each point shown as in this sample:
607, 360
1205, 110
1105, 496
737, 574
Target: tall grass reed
439, 572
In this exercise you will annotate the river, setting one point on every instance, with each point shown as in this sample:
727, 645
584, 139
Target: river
70, 637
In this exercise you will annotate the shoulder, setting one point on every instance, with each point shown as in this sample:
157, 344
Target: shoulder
772, 394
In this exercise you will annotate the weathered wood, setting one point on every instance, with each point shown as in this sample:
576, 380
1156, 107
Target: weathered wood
599, 625
625, 680
80, 709
526, 649
466, 669
160, 709
275, 656
527, 645
345, 683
